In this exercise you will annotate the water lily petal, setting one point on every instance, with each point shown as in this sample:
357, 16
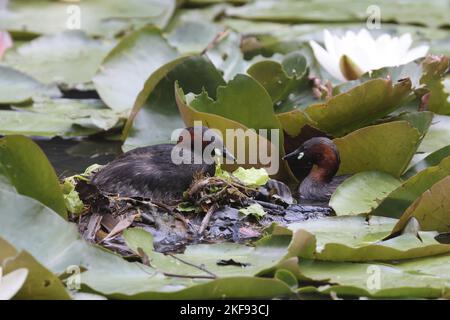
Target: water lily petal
327, 61
415, 53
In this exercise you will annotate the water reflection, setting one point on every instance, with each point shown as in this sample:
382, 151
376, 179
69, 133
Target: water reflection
70, 156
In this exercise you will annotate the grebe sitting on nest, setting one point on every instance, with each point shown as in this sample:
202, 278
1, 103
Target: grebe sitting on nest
151, 172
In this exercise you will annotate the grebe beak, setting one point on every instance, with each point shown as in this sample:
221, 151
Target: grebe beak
224, 152
298, 154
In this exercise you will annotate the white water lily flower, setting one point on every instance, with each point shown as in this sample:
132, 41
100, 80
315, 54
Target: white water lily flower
5, 42
349, 56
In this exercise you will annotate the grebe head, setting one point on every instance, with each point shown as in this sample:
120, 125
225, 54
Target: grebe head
204, 140
320, 152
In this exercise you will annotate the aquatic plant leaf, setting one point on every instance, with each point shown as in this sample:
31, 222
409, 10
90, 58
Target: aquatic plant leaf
252, 176
17, 87
24, 166
70, 58
59, 117
246, 260
395, 204
438, 135
417, 278
110, 275
387, 147
255, 210
219, 122
156, 119
243, 100
134, 66
431, 209
362, 192
40, 283
352, 238
71, 197
98, 17
280, 79
430, 160
406, 12
360, 106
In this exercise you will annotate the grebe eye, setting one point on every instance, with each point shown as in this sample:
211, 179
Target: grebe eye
300, 155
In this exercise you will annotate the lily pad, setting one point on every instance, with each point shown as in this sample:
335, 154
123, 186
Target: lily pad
17, 87
136, 64
431, 209
69, 58
359, 106
155, 120
432, 159
97, 17
408, 12
280, 79
59, 117
108, 273
401, 198
352, 238
362, 192
422, 278
24, 166
219, 122
387, 147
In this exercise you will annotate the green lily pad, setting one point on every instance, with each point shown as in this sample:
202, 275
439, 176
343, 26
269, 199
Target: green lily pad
431, 209
351, 238
24, 166
106, 273
401, 198
251, 177
432, 159
155, 120
69, 58
407, 12
220, 259
17, 87
217, 120
128, 68
438, 135
280, 79
243, 100
359, 106
98, 17
256, 210
40, 282
366, 149
362, 192
423, 278
59, 117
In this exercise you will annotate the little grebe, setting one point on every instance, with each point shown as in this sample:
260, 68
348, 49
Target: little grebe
321, 182
151, 172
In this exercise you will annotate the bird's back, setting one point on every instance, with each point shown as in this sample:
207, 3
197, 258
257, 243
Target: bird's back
148, 172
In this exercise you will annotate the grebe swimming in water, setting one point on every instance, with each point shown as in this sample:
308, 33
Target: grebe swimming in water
151, 172
321, 182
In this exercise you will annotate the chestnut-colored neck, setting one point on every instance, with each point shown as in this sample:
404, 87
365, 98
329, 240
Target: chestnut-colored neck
326, 164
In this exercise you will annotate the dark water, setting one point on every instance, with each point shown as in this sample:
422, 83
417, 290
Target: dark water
70, 157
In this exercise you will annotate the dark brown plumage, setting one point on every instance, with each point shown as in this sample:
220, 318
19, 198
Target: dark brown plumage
149, 172
321, 182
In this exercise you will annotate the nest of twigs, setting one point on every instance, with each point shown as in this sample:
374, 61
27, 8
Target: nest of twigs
214, 215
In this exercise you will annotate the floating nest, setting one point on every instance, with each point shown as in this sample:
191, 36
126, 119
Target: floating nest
208, 213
